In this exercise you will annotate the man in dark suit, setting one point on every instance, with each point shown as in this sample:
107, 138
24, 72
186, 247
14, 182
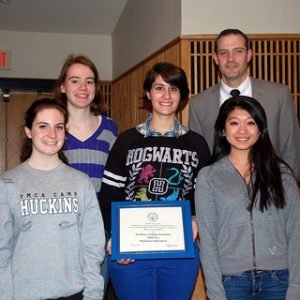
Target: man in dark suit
232, 56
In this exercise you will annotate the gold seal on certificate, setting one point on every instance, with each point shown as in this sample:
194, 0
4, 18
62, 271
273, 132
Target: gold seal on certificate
145, 230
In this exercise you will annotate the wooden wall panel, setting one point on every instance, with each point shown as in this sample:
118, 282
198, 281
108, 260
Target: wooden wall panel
123, 103
106, 93
139, 75
275, 58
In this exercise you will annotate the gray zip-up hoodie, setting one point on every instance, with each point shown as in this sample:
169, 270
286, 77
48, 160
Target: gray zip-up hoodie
227, 245
51, 235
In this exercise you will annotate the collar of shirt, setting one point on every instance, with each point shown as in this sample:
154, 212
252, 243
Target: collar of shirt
147, 130
244, 88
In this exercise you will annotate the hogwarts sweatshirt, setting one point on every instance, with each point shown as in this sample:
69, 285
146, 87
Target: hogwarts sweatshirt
152, 168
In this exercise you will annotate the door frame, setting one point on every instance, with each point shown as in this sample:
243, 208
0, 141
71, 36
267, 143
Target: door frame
17, 84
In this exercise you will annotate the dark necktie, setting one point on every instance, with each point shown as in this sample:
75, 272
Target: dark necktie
235, 93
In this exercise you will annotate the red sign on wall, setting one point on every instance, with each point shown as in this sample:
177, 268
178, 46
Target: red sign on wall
4, 59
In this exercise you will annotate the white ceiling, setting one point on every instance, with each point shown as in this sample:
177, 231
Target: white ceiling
61, 16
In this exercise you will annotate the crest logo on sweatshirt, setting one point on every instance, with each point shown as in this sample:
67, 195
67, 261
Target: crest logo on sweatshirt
158, 186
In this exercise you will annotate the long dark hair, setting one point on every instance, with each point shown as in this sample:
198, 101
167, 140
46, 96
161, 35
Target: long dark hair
98, 105
263, 159
30, 116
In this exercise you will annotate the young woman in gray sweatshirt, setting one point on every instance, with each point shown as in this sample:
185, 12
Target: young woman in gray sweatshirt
248, 211
51, 229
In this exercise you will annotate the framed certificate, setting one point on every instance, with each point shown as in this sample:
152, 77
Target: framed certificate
147, 230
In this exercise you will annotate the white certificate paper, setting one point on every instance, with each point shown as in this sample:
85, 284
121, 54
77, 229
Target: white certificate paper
151, 229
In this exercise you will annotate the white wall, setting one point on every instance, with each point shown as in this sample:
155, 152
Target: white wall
38, 55
143, 28
254, 16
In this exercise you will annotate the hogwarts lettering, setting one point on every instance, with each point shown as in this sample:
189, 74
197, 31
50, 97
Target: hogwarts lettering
162, 154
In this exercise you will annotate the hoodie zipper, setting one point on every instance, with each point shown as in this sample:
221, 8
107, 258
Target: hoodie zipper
252, 234
254, 267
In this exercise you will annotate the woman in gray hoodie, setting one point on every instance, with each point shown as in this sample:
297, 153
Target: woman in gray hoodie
51, 228
248, 211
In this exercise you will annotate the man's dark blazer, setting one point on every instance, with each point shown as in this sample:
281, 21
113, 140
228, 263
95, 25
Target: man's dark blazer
278, 103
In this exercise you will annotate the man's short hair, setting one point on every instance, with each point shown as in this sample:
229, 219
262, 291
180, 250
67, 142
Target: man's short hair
231, 31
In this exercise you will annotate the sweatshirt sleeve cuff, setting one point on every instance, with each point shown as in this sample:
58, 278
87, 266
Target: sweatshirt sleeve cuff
293, 292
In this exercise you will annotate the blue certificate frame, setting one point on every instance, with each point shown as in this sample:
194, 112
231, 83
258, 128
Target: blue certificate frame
151, 230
